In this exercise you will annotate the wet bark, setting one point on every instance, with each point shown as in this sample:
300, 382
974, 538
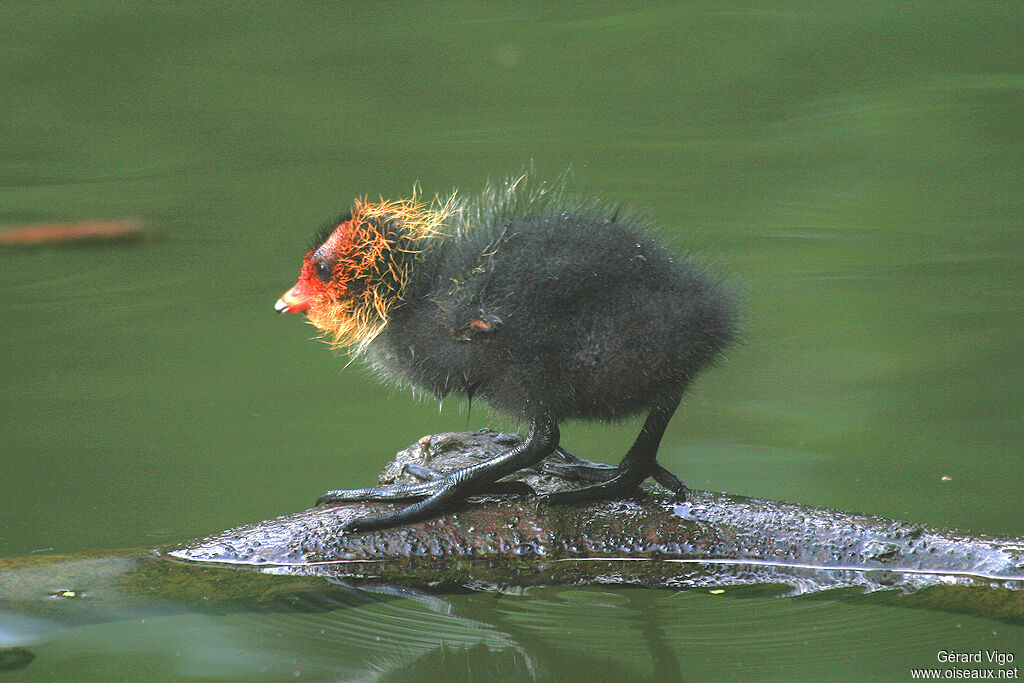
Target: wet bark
514, 541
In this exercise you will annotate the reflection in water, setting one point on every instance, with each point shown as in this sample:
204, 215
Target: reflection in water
321, 631
310, 634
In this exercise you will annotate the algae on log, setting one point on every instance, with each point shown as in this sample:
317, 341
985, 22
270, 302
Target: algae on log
710, 540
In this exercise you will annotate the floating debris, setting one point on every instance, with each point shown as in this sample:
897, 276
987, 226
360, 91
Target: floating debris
83, 232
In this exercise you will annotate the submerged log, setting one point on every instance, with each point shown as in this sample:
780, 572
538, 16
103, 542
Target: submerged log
710, 540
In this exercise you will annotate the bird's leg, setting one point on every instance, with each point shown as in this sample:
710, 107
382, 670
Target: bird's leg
638, 464
440, 493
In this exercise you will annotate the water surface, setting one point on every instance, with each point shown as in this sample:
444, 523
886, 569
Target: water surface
855, 170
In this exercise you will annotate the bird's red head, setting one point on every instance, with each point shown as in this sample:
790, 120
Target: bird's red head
345, 253
358, 270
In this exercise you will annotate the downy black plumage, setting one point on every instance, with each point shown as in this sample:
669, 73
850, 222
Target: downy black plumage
546, 308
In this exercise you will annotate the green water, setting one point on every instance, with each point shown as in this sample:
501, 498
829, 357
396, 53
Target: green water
855, 169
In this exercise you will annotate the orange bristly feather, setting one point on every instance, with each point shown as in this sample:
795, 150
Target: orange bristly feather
354, 316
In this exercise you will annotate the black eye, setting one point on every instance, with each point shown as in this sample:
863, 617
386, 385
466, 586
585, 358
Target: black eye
323, 271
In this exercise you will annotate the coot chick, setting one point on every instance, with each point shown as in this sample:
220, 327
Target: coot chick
544, 307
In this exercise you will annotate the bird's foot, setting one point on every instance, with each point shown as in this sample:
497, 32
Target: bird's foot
564, 465
390, 493
497, 488
437, 493
611, 481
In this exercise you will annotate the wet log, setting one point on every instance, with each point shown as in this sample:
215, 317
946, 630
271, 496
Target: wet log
711, 540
